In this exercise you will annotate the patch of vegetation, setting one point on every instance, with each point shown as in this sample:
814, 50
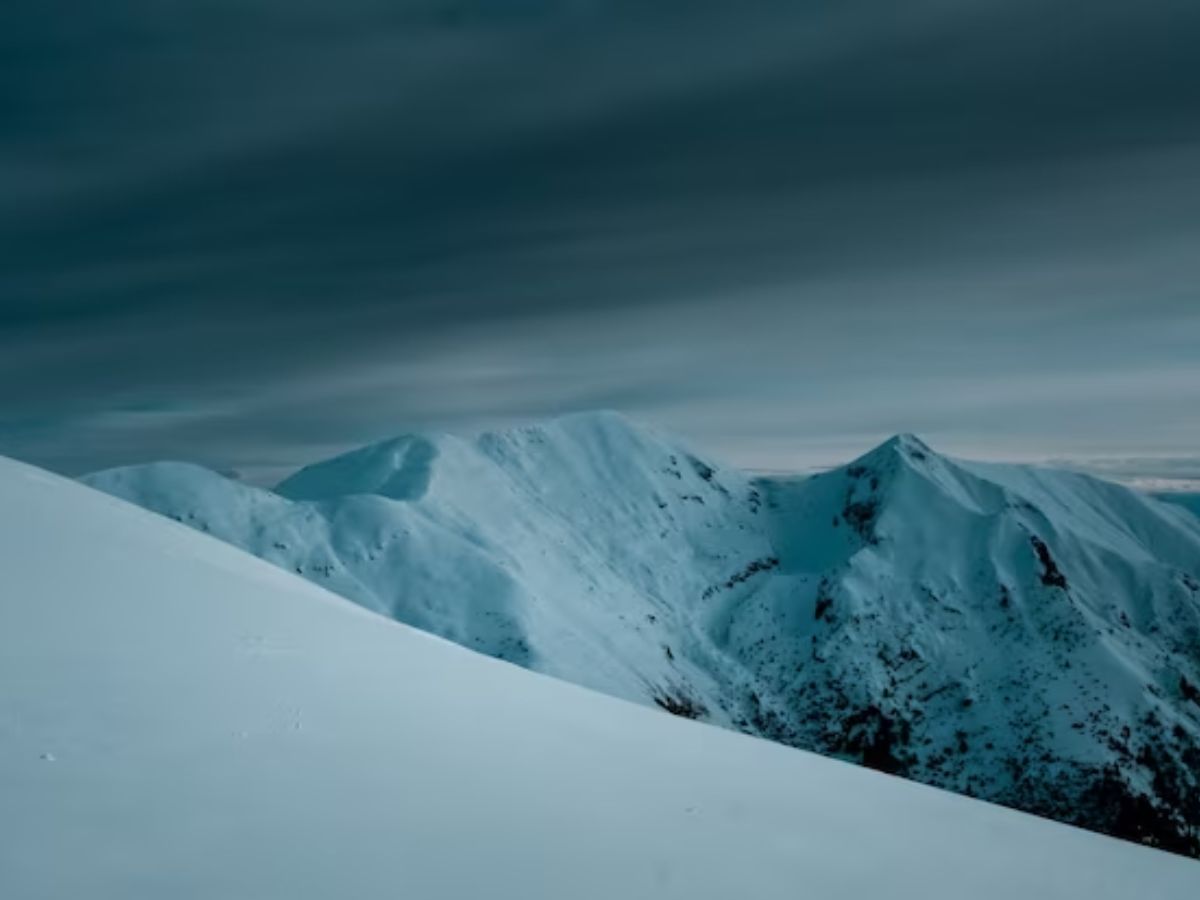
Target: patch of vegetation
824, 600
764, 564
707, 473
1111, 806
876, 738
1188, 691
754, 501
1051, 576
678, 702
860, 515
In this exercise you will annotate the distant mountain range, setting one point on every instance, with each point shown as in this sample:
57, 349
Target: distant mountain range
1019, 634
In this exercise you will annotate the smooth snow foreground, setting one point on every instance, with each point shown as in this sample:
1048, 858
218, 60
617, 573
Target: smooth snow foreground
179, 719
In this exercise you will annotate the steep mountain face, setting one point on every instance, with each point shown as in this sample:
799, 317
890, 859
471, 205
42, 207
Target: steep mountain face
179, 719
1027, 636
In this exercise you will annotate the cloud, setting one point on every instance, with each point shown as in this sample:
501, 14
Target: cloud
249, 230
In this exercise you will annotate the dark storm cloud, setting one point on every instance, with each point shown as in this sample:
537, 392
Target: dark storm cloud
239, 230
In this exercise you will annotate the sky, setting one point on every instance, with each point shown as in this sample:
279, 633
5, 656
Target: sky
251, 233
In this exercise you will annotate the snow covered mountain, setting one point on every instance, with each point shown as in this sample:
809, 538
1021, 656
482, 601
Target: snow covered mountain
179, 719
1024, 635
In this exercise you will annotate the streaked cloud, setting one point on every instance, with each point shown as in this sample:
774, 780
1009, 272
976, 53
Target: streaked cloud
249, 232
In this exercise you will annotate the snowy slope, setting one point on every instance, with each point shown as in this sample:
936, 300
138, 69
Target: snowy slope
1188, 501
1024, 635
180, 719
1015, 633
563, 548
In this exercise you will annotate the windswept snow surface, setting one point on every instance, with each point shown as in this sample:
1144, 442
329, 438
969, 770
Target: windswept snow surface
179, 719
1020, 634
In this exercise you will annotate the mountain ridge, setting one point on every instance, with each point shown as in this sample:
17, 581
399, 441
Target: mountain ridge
1025, 635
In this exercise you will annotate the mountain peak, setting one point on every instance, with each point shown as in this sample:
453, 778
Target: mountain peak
908, 439
399, 468
909, 443
403, 467
904, 446
584, 426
